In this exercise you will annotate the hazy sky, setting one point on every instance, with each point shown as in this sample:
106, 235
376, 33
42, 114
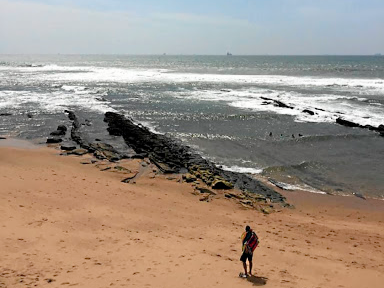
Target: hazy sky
192, 27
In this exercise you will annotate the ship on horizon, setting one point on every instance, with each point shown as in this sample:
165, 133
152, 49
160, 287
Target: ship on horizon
229, 54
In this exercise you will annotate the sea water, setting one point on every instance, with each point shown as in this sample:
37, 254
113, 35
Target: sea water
222, 106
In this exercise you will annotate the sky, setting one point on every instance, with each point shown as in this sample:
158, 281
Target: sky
209, 27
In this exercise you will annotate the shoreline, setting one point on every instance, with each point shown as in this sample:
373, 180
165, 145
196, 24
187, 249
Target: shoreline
72, 224
12, 142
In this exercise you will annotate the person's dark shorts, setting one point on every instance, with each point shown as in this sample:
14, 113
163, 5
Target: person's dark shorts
246, 256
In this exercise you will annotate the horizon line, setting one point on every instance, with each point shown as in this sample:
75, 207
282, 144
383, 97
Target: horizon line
166, 54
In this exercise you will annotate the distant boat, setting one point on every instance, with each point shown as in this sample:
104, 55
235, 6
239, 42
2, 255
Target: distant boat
378, 54
229, 54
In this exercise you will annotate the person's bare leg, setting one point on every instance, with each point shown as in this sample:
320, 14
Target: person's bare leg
245, 267
250, 267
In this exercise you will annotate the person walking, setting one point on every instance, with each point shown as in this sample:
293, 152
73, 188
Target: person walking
249, 242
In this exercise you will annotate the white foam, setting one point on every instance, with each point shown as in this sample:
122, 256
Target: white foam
204, 136
242, 169
359, 86
76, 79
303, 187
348, 107
52, 102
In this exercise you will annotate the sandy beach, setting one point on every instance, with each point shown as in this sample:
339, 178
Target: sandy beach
64, 223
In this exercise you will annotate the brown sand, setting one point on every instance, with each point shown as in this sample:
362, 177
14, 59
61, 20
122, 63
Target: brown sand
66, 224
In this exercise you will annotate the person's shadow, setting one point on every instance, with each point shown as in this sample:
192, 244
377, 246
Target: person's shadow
257, 280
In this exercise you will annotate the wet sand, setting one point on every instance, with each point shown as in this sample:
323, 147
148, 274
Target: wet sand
64, 223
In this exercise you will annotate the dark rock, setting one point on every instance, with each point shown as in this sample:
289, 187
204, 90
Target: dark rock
62, 128
277, 102
78, 152
234, 195
71, 115
189, 178
129, 178
100, 150
54, 140
370, 127
308, 112
67, 147
172, 157
347, 123
163, 167
104, 151
221, 184
115, 131
287, 205
121, 169
139, 156
281, 104
60, 131
247, 202
57, 133
266, 210
205, 190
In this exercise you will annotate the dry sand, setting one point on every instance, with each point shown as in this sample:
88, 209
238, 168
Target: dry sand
67, 224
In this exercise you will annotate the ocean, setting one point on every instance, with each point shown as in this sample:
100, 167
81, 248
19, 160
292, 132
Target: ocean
224, 107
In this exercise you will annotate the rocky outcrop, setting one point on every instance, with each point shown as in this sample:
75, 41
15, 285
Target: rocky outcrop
67, 147
277, 103
60, 131
379, 129
62, 128
308, 112
221, 184
78, 152
281, 104
347, 123
100, 150
188, 177
172, 157
54, 140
